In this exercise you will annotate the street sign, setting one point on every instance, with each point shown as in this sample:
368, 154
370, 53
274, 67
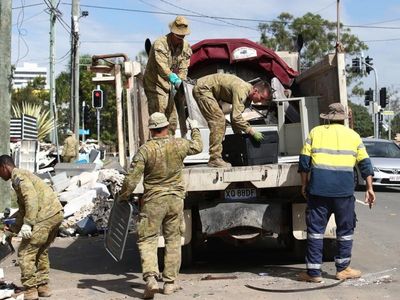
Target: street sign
83, 131
388, 113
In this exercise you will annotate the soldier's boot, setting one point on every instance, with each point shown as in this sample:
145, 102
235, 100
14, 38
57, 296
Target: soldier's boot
30, 293
218, 163
44, 290
303, 276
170, 288
348, 273
151, 288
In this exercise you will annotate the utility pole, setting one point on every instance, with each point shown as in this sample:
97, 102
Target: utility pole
75, 65
5, 91
338, 22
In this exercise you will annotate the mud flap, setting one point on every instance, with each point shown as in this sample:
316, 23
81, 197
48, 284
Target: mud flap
118, 227
223, 216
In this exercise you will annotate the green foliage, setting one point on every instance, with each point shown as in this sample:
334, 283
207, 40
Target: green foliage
319, 36
45, 123
395, 125
34, 93
362, 120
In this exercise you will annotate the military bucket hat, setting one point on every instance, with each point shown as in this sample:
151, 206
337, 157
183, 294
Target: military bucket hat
180, 26
158, 120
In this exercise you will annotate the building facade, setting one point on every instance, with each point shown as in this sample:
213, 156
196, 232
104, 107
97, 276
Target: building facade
26, 73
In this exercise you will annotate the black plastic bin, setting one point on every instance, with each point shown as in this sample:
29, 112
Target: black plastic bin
242, 150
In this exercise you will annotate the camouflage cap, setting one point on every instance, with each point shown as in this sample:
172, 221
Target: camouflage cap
158, 120
70, 132
336, 111
180, 26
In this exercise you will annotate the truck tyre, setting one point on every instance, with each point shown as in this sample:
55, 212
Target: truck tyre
187, 256
330, 249
299, 249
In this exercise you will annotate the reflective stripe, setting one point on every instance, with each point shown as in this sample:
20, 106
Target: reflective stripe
333, 168
308, 141
361, 146
315, 236
345, 238
313, 266
332, 151
342, 260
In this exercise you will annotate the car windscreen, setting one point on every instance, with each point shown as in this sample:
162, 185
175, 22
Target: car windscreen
382, 149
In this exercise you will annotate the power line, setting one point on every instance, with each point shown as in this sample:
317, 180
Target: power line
214, 17
329, 5
25, 6
203, 15
21, 33
383, 40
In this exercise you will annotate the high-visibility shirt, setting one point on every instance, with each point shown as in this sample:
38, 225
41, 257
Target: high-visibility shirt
330, 153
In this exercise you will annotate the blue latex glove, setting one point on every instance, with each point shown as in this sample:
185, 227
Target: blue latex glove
173, 78
178, 83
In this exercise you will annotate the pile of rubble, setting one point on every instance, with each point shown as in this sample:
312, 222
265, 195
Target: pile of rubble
87, 200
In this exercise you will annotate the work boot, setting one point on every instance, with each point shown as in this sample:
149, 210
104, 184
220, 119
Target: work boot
30, 293
170, 288
151, 288
218, 163
44, 290
348, 273
303, 276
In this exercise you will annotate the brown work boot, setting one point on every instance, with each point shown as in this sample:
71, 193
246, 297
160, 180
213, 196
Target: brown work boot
303, 276
44, 290
348, 273
170, 288
218, 163
30, 293
151, 288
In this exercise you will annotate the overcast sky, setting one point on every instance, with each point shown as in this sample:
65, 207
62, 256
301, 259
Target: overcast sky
124, 28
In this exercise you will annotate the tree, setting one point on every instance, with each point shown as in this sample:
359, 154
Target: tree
33, 93
362, 120
395, 125
319, 36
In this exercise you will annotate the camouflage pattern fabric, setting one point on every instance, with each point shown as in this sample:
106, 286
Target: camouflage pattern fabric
163, 60
71, 148
211, 89
33, 256
36, 200
165, 212
161, 162
68, 159
160, 102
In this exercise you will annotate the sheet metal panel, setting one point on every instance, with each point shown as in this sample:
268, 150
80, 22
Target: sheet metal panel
118, 227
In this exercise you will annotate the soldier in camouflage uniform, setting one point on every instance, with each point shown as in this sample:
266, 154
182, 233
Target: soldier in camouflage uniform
71, 148
168, 63
211, 89
160, 160
39, 217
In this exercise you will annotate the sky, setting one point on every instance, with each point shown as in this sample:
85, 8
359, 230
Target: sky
125, 27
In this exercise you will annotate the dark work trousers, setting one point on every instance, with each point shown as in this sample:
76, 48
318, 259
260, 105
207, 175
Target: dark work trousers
319, 209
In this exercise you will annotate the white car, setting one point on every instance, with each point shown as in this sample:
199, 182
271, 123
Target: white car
385, 158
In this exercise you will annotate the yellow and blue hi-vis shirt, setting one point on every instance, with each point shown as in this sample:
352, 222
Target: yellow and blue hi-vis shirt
330, 153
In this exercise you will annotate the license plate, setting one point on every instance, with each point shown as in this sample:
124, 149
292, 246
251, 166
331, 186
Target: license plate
394, 178
240, 194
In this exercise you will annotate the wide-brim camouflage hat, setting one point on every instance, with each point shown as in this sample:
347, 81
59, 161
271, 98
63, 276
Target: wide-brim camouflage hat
158, 120
336, 112
180, 26
70, 132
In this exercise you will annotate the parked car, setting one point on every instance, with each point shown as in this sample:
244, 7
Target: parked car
385, 158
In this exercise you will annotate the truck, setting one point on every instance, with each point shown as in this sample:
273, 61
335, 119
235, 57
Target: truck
253, 203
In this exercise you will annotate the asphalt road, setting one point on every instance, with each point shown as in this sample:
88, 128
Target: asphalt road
81, 269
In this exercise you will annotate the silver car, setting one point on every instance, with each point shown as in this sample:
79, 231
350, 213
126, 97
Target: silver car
385, 158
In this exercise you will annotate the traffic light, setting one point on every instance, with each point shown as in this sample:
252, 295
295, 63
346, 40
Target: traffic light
97, 98
383, 97
356, 65
369, 96
368, 64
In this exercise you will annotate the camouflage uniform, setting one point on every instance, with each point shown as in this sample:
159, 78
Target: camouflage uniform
70, 150
227, 88
38, 207
164, 59
161, 162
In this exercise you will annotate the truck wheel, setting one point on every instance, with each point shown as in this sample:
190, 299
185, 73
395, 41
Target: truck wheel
187, 256
330, 249
299, 249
